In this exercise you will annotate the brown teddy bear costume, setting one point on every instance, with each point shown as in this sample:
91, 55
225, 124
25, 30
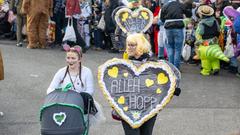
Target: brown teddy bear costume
38, 13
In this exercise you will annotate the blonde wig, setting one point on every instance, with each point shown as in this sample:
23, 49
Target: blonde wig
143, 46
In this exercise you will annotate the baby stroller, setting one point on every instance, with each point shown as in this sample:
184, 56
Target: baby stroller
63, 113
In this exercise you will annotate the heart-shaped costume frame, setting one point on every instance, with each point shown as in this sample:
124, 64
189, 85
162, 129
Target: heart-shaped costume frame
167, 88
137, 21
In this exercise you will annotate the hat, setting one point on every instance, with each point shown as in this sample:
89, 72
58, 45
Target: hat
205, 10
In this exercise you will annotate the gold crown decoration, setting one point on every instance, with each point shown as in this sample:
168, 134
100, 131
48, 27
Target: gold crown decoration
137, 21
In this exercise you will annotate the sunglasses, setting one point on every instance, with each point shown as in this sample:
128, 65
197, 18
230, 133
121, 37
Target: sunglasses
132, 45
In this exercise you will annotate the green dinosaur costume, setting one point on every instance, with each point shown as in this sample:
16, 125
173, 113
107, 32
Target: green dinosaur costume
209, 51
210, 56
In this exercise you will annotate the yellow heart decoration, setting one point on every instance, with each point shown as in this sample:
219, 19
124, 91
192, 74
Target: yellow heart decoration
125, 75
124, 17
149, 82
113, 72
121, 100
125, 108
145, 15
158, 91
162, 78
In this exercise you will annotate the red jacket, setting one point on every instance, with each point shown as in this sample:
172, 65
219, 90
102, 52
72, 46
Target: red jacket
72, 7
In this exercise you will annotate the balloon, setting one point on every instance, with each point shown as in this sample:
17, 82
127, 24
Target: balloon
230, 12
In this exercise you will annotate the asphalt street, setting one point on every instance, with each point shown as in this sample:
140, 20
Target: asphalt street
207, 105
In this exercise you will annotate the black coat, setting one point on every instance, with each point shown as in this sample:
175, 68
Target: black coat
175, 10
109, 22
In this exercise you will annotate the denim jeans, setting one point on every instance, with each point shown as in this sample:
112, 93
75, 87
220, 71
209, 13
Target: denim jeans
98, 38
175, 39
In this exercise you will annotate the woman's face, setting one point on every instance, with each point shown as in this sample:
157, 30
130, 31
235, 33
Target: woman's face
132, 49
72, 60
136, 4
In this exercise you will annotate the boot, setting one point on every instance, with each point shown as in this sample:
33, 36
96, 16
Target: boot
14, 36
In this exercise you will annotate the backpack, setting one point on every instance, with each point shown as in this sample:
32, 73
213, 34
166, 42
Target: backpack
210, 31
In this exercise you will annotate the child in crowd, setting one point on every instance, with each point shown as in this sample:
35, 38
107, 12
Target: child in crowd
190, 39
98, 33
207, 38
84, 21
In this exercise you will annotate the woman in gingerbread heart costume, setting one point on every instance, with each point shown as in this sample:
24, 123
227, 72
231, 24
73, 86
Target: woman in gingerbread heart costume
134, 24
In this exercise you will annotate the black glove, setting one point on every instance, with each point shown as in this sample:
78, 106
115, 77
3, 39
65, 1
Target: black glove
177, 91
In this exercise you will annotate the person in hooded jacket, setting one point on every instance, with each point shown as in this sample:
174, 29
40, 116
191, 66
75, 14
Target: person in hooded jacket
207, 34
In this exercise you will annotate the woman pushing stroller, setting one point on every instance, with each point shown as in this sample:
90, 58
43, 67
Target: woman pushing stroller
69, 108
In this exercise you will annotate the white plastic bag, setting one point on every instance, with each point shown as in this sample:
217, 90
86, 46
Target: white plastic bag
229, 50
161, 36
70, 34
98, 118
186, 52
24, 29
101, 24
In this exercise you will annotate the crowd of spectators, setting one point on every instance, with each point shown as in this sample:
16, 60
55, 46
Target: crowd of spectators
17, 22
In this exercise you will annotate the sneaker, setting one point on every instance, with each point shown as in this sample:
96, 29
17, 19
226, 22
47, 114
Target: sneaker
94, 48
194, 62
14, 37
215, 72
19, 44
98, 49
87, 47
238, 75
122, 50
114, 50
84, 50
